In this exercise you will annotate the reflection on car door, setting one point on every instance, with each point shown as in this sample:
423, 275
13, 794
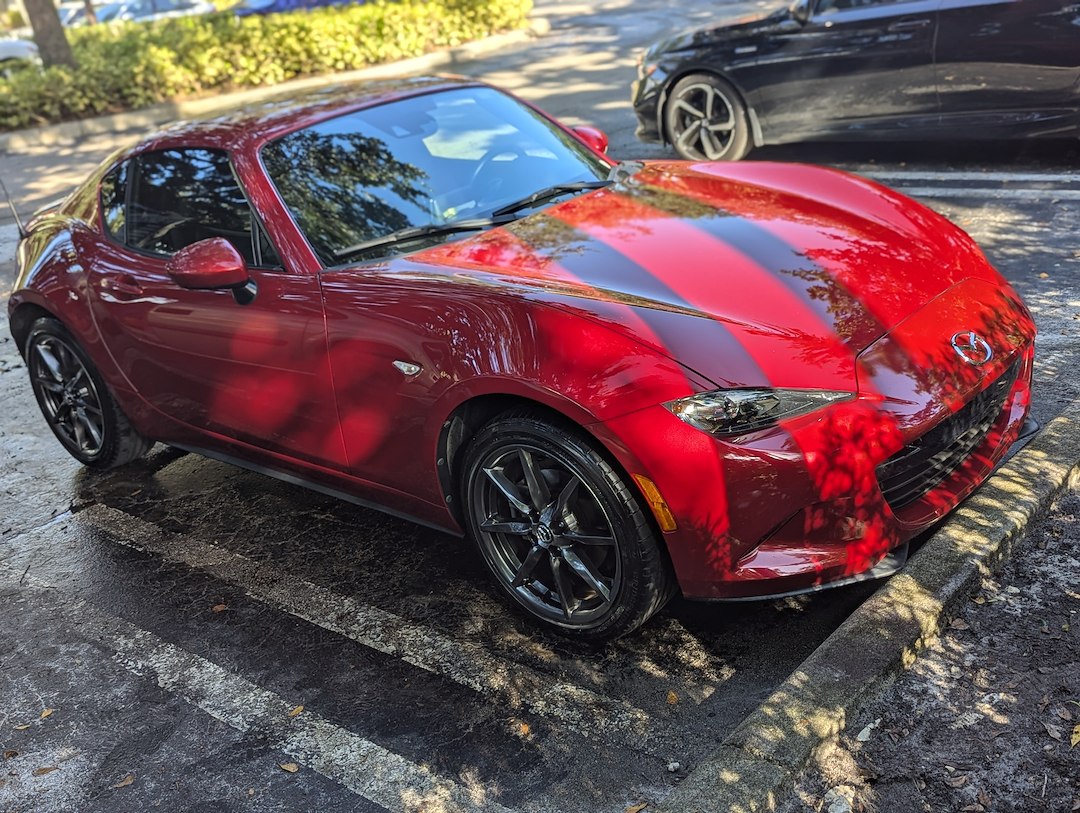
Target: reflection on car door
257, 372
1020, 58
853, 64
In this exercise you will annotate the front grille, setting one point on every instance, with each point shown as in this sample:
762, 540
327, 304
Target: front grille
923, 464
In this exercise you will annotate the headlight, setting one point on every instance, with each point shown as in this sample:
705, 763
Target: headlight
736, 412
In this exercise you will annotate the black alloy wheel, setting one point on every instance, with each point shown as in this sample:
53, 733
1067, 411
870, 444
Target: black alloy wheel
560, 530
75, 401
706, 119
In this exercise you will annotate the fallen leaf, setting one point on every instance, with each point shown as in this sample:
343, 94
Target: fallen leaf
523, 729
1044, 275
22, 727
1074, 738
1045, 670
1063, 713
1076, 804
296, 711
47, 713
979, 600
123, 783
11, 753
1054, 731
219, 608
291, 767
974, 807
957, 781
959, 624
672, 698
43, 771
637, 808
984, 797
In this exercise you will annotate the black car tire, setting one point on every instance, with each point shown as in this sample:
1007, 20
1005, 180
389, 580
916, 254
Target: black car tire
705, 119
574, 541
76, 402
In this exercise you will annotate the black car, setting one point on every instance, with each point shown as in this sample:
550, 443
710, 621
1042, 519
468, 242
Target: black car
857, 69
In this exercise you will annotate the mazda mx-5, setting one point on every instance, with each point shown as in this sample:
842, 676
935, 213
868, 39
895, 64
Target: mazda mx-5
621, 380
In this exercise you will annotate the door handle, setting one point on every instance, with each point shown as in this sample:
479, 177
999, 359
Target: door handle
910, 25
122, 287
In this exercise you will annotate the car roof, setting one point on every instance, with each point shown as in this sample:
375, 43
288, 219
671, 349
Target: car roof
250, 126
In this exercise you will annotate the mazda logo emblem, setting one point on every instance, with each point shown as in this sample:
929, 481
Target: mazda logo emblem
972, 347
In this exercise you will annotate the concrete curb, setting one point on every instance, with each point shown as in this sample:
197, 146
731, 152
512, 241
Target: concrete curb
148, 117
756, 767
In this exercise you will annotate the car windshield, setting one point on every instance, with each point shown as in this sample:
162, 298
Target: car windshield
424, 161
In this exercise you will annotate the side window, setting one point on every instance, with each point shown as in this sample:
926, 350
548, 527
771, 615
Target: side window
179, 197
113, 203
832, 6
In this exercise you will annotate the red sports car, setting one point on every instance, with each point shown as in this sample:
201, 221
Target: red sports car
621, 380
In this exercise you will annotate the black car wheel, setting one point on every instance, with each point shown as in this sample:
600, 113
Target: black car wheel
75, 401
560, 529
706, 120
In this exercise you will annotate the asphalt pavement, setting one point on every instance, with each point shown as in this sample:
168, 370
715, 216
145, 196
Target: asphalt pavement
165, 622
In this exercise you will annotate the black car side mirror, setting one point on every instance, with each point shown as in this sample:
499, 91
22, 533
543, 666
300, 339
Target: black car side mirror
800, 11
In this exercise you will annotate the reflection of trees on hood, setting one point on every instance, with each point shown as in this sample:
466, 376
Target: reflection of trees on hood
344, 188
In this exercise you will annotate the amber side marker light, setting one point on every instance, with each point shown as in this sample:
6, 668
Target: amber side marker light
660, 509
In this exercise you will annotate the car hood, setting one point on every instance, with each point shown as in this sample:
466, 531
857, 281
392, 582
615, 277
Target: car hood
734, 270
724, 29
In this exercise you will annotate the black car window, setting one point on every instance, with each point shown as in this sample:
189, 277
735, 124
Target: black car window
179, 197
113, 191
832, 6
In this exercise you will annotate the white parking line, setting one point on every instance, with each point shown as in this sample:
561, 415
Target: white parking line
1037, 195
947, 176
587, 713
361, 766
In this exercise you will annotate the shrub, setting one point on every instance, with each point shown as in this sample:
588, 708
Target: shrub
137, 64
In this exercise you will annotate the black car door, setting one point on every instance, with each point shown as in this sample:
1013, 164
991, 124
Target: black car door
854, 64
1008, 66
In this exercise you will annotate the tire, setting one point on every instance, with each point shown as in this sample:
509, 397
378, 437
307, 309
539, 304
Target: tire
705, 119
574, 548
76, 402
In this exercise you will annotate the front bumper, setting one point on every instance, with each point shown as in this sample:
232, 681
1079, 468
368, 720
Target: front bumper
799, 507
647, 95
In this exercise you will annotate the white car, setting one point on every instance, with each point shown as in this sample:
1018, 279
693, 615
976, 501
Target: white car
15, 53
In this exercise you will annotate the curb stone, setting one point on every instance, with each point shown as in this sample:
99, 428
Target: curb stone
68, 132
757, 766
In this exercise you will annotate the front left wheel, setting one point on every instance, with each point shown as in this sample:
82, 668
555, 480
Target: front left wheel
76, 402
560, 530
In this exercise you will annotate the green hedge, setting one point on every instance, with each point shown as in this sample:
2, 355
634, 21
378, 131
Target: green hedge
135, 65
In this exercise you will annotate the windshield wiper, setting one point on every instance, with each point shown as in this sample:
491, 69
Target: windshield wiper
546, 194
415, 232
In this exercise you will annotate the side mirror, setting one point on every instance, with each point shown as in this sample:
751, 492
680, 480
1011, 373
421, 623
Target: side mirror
209, 264
593, 136
800, 11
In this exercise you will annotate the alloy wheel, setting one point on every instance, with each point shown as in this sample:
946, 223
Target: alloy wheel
703, 121
68, 396
546, 534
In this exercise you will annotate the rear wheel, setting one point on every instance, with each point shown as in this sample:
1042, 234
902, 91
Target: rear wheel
75, 401
560, 529
706, 119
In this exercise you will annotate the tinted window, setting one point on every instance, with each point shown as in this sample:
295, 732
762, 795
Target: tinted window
830, 6
113, 190
180, 197
430, 159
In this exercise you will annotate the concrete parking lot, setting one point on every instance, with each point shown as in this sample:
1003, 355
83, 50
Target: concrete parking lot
182, 635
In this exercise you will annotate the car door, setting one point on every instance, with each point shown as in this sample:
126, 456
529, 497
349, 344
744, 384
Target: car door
1009, 64
253, 372
852, 64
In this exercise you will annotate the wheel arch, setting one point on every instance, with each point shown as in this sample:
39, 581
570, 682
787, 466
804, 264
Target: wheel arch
22, 319
470, 416
756, 132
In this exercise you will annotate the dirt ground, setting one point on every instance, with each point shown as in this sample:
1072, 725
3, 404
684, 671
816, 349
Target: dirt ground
988, 718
